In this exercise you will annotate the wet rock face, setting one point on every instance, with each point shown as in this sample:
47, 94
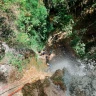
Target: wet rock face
57, 79
53, 86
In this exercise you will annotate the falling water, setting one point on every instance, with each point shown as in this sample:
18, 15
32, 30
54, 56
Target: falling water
72, 66
74, 71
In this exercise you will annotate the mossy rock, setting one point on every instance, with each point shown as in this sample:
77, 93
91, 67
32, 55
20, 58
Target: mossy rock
57, 79
33, 89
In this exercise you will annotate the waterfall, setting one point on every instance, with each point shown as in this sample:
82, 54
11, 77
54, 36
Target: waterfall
76, 73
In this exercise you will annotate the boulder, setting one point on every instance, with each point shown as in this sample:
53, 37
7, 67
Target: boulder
8, 73
50, 86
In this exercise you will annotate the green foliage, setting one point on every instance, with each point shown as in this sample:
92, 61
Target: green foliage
94, 5
62, 16
75, 39
5, 4
91, 55
32, 21
79, 46
77, 42
80, 49
68, 28
22, 38
33, 24
16, 60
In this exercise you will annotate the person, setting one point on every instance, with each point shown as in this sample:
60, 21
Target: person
47, 62
47, 59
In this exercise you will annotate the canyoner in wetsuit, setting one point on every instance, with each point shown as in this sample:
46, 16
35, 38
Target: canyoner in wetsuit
47, 62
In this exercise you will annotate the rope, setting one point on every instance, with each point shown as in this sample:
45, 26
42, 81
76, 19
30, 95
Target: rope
14, 88
15, 91
9, 89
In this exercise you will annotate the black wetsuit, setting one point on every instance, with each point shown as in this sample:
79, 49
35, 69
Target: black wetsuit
47, 60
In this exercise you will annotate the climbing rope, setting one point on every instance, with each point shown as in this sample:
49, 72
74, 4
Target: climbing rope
16, 87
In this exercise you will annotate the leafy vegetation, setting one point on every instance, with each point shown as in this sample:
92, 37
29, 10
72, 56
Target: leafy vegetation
16, 60
77, 42
32, 21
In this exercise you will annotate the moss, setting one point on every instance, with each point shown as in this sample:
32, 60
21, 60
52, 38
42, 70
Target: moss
57, 79
29, 89
46, 82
